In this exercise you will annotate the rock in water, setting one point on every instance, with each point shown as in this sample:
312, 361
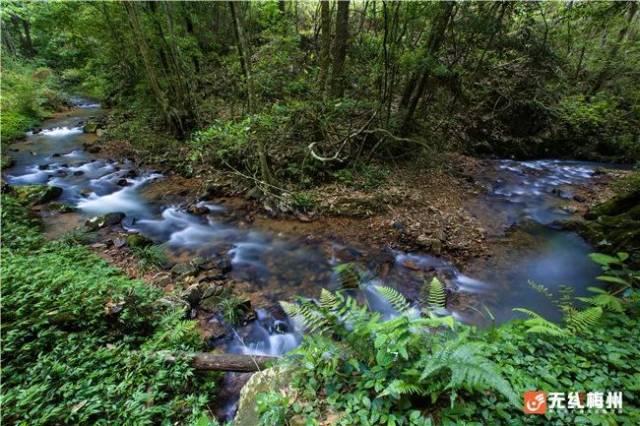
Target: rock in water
38, 194
138, 241
90, 128
108, 219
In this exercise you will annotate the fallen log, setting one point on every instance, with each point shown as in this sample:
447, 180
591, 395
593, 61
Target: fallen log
226, 362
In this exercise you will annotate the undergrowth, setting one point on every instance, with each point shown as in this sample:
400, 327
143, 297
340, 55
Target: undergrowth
80, 340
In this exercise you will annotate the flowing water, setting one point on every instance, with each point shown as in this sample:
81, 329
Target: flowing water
525, 194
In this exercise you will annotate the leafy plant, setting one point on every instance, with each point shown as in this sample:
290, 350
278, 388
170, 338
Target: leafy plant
80, 340
348, 275
433, 295
150, 257
369, 368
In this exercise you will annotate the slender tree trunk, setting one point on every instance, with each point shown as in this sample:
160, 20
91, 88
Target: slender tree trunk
282, 5
27, 37
604, 72
245, 63
434, 43
325, 44
152, 76
340, 50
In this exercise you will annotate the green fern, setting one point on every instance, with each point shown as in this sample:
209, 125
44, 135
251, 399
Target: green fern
348, 275
400, 387
468, 368
538, 324
394, 297
584, 320
434, 295
604, 299
307, 315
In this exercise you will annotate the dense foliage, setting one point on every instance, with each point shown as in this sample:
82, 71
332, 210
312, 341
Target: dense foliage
412, 369
252, 85
80, 341
29, 94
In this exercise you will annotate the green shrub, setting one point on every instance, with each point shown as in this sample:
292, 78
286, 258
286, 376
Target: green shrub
81, 341
29, 94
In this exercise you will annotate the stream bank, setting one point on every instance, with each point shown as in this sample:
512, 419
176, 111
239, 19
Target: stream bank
484, 227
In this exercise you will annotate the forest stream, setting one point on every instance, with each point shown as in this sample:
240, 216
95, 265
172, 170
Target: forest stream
281, 268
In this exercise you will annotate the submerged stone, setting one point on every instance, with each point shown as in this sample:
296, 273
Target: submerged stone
103, 221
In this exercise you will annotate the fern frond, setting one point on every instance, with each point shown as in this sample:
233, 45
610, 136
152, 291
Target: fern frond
434, 294
399, 387
538, 324
328, 300
468, 367
306, 314
394, 297
584, 320
604, 299
348, 275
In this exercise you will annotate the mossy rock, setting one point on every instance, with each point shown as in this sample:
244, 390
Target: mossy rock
90, 128
37, 194
61, 207
6, 162
617, 205
138, 241
270, 380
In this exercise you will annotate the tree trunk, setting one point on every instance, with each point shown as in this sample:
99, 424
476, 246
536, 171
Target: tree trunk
325, 44
434, 43
340, 50
604, 72
282, 6
227, 362
245, 64
152, 76
27, 38
7, 40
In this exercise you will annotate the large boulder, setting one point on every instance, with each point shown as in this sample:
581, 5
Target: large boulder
272, 379
38, 194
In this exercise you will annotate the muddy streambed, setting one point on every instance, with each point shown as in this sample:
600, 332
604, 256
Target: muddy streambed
527, 195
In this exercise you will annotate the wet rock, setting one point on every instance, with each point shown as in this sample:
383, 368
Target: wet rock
122, 182
183, 270
214, 329
36, 130
119, 242
61, 207
7, 162
108, 219
93, 149
85, 192
197, 210
43, 167
131, 174
90, 128
579, 198
61, 173
78, 173
56, 155
38, 194
138, 241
